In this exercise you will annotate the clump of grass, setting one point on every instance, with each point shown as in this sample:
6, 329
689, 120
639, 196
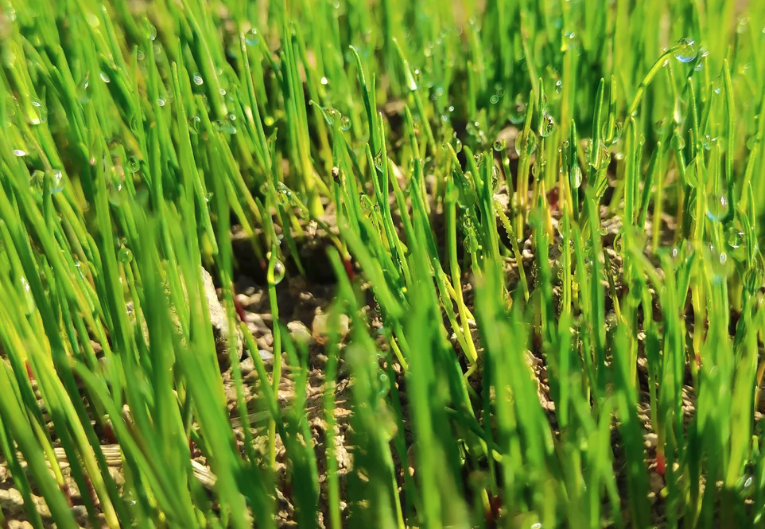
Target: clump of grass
542, 219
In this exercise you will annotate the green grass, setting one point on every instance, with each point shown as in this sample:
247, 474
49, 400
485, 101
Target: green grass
134, 136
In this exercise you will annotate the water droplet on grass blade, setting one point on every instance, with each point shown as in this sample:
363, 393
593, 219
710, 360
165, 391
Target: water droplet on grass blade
379, 160
604, 157
618, 128
659, 127
345, 123
500, 145
569, 41
57, 183
717, 207
558, 87
527, 142
478, 157
283, 194
576, 177
742, 26
133, 164
734, 237
279, 271
686, 50
332, 114
225, 126
324, 81
39, 112
30, 299
125, 255
548, 125
678, 143
709, 142
194, 124
93, 20
19, 152
719, 264
717, 84
152, 31
494, 99
104, 77
252, 38
198, 79
494, 178
83, 92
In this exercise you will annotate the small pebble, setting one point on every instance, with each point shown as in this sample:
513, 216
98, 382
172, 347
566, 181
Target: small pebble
320, 327
299, 332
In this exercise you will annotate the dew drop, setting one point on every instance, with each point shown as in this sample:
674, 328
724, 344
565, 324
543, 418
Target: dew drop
345, 123
494, 178
500, 145
283, 194
734, 237
717, 207
558, 86
527, 142
324, 81
576, 177
686, 50
717, 85
92, 20
83, 93
125, 255
678, 143
19, 152
104, 77
279, 271
618, 128
40, 112
57, 183
252, 38
133, 164
548, 125
198, 79
28, 295
709, 142
494, 99
332, 115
